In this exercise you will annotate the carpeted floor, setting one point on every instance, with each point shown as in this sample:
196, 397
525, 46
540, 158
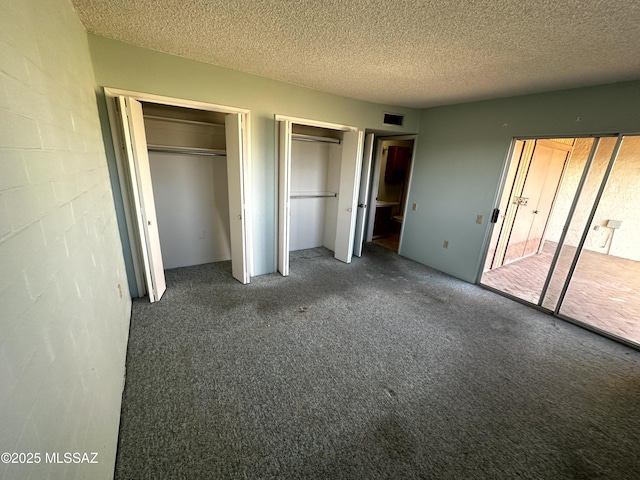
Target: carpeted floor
381, 369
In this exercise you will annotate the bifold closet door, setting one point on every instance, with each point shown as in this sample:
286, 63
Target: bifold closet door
142, 193
363, 195
284, 194
348, 195
235, 169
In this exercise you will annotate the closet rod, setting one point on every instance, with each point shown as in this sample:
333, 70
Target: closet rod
207, 152
315, 195
314, 138
182, 120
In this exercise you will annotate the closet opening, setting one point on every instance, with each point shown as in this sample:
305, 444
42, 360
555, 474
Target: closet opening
182, 172
315, 182
188, 161
318, 167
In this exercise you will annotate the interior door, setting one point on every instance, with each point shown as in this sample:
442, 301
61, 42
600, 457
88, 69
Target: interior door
373, 195
237, 220
348, 194
284, 194
140, 175
535, 201
546, 199
363, 195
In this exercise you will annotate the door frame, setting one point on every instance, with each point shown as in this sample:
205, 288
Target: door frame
375, 179
283, 178
111, 95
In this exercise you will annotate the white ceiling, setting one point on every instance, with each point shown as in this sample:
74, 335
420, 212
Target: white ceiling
400, 52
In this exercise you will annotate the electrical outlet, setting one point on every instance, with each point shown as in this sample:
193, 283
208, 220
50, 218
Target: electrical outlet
414, 207
479, 219
445, 244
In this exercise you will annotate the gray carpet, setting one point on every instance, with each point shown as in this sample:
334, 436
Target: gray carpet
381, 369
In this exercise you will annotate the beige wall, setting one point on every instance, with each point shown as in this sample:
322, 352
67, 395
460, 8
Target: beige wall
620, 201
64, 308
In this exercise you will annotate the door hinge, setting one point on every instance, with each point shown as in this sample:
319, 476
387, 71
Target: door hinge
494, 215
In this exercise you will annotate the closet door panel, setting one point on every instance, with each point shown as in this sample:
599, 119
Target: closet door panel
138, 159
333, 185
284, 194
235, 168
348, 194
363, 195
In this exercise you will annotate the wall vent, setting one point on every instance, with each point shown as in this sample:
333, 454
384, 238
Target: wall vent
393, 119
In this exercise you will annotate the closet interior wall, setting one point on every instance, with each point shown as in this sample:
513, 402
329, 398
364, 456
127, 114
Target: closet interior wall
190, 187
316, 156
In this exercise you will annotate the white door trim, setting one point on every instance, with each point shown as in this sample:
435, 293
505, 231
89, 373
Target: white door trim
315, 123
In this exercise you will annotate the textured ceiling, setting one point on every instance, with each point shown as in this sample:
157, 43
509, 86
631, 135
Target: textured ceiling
399, 52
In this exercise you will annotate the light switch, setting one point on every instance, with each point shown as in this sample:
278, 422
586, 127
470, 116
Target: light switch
479, 219
414, 207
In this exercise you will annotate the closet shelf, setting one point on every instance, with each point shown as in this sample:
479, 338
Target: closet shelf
209, 152
314, 138
180, 120
313, 194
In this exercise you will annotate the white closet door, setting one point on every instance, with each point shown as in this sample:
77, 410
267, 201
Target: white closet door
235, 169
348, 194
284, 195
140, 173
363, 196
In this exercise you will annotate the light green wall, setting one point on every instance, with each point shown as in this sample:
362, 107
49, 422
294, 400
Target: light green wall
64, 310
461, 152
461, 149
124, 66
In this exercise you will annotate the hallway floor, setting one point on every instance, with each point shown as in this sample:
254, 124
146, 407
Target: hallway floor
390, 241
603, 292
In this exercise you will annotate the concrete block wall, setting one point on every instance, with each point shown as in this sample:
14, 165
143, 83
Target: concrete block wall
64, 307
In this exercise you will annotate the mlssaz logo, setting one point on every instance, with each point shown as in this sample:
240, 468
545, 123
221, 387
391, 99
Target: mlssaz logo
71, 457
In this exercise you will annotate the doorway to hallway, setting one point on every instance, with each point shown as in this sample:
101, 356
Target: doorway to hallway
389, 192
566, 230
